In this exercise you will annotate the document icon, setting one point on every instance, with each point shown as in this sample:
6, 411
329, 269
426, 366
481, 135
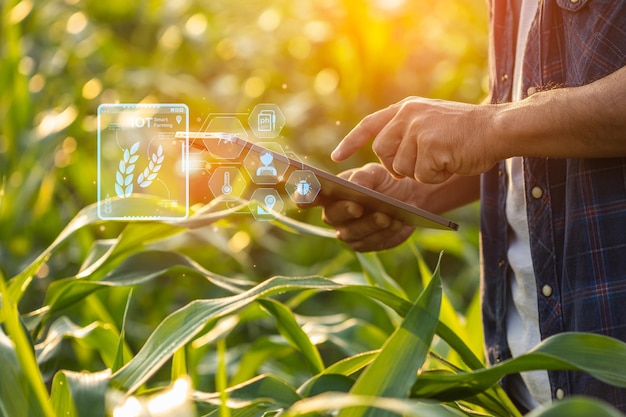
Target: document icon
267, 120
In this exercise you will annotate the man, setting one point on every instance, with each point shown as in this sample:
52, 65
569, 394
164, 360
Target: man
547, 158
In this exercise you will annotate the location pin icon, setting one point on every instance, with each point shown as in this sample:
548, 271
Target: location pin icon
270, 201
179, 118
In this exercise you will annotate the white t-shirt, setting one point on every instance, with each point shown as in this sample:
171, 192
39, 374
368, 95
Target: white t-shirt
522, 316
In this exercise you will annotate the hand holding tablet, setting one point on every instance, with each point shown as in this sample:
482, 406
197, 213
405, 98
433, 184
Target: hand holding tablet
310, 185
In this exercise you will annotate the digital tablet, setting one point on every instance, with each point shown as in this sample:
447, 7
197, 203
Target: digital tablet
273, 170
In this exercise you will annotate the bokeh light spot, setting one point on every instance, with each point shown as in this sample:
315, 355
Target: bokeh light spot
226, 49
36, 83
92, 89
326, 81
76, 23
20, 11
171, 38
299, 47
254, 87
269, 20
196, 25
318, 31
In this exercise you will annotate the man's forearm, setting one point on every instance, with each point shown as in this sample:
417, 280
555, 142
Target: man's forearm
578, 122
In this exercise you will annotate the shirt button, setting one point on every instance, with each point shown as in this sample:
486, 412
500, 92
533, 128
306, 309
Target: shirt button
559, 394
536, 192
546, 290
501, 263
504, 78
531, 91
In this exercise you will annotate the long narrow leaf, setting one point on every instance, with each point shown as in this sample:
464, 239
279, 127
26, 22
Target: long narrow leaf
291, 330
137, 235
353, 364
376, 274
395, 369
79, 394
134, 270
577, 407
101, 337
266, 389
326, 382
382, 405
120, 353
402, 307
16, 393
591, 353
181, 326
18, 350
262, 350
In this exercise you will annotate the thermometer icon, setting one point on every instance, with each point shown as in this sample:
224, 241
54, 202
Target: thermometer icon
227, 188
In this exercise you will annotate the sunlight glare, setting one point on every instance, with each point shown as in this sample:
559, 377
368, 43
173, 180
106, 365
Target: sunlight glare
171, 399
388, 5
130, 408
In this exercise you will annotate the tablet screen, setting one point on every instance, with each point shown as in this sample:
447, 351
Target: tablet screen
273, 173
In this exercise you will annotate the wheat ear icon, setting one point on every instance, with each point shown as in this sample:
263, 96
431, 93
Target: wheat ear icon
124, 175
149, 174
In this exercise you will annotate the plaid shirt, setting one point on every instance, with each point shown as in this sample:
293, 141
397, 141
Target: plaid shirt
576, 207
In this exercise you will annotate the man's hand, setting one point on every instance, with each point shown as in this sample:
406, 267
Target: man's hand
429, 140
363, 231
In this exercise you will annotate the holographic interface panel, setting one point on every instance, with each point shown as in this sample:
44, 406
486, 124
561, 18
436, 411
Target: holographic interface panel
140, 155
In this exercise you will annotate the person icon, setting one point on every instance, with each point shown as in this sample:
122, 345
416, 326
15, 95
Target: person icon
267, 168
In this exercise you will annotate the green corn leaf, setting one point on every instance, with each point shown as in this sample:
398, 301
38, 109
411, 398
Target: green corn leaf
352, 336
179, 364
121, 351
181, 326
326, 382
352, 364
591, 353
134, 270
79, 394
395, 369
402, 307
293, 333
262, 350
135, 236
22, 389
376, 274
264, 389
101, 337
19, 283
381, 406
295, 226
221, 378
16, 392
576, 407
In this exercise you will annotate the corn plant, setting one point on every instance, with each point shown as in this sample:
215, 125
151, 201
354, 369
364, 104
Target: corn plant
268, 348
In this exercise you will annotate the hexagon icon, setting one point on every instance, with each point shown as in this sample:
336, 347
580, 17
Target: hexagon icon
220, 132
266, 163
303, 186
266, 120
264, 202
227, 182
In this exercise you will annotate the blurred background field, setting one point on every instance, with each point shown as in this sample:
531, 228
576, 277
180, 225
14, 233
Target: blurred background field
325, 63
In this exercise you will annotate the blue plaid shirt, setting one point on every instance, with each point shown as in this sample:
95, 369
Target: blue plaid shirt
576, 207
